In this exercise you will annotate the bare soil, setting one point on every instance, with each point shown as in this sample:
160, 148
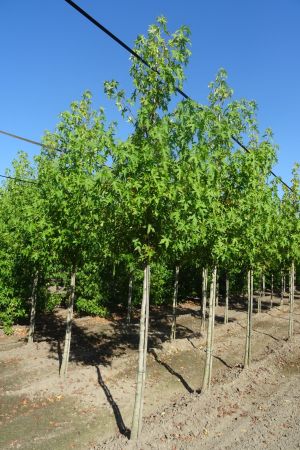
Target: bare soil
245, 409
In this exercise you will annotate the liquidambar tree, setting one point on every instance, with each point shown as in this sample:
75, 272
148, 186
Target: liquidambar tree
73, 183
143, 164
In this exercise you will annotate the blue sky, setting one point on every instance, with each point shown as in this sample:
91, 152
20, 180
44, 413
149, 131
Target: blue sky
50, 55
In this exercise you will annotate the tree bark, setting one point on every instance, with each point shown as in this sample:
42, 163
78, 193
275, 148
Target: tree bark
142, 359
204, 297
175, 296
129, 303
272, 291
247, 358
68, 335
282, 289
263, 287
217, 293
291, 300
33, 309
226, 300
210, 333
259, 300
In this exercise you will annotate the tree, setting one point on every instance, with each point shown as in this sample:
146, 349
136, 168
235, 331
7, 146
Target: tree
75, 183
142, 165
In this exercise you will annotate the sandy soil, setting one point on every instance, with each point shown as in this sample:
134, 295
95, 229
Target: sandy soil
254, 408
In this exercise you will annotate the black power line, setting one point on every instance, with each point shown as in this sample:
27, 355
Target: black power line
21, 138
136, 55
30, 141
271, 172
18, 179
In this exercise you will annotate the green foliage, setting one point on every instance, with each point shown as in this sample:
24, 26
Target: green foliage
176, 190
11, 309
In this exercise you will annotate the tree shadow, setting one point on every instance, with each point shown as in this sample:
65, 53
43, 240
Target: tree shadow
95, 343
220, 319
171, 371
240, 303
266, 334
260, 332
222, 361
284, 318
91, 343
119, 420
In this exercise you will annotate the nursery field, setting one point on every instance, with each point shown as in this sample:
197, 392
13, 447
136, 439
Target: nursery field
257, 407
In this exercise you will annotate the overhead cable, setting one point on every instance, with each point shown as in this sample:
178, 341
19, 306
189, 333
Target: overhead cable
21, 138
18, 179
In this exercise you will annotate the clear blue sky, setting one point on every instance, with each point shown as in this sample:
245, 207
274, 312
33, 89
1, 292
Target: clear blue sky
50, 55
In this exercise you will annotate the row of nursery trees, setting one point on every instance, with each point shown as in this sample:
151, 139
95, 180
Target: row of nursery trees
176, 197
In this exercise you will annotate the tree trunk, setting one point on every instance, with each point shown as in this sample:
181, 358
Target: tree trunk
284, 285
272, 291
175, 295
247, 359
282, 289
33, 309
129, 304
226, 300
259, 300
204, 297
142, 359
67, 344
291, 300
210, 333
217, 293
263, 287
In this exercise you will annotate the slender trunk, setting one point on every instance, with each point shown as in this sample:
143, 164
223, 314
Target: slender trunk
217, 294
259, 300
145, 352
226, 300
272, 289
204, 297
33, 309
263, 287
175, 295
284, 285
129, 304
68, 335
142, 359
247, 359
282, 289
210, 333
291, 300
213, 328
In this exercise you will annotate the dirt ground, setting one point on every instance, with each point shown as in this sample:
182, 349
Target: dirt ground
245, 409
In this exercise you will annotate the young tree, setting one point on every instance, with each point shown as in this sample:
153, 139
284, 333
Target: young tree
290, 239
142, 165
75, 182
23, 241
